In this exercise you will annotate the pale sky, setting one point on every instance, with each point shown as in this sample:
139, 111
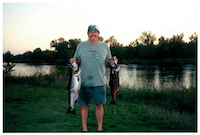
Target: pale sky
27, 26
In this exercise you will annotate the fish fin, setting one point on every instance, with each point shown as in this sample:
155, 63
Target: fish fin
112, 102
79, 72
68, 88
69, 66
113, 71
69, 111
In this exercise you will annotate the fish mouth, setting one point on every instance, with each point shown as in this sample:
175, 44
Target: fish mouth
73, 66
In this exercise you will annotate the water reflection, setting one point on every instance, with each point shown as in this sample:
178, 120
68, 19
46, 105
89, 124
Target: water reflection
22, 69
134, 76
157, 77
186, 79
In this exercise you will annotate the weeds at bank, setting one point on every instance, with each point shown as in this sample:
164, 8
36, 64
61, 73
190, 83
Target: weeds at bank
34, 104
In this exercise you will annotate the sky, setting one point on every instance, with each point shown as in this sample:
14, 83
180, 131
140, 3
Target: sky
27, 26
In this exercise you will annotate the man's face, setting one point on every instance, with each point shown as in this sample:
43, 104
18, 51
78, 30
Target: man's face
93, 35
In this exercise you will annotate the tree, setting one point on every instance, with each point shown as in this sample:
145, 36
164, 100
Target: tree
135, 43
28, 55
192, 52
8, 57
53, 43
64, 49
177, 38
193, 38
37, 54
112, 41
162, 50
72, 43
101, 38
37, 50
162, 40
49, 56
177, 46
147, 38
61, 40
8, 64
60, 47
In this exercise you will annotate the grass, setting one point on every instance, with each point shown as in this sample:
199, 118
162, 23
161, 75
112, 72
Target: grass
39, 104
179, 100
42, 108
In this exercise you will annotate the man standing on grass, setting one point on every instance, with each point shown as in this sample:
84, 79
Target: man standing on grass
93, 56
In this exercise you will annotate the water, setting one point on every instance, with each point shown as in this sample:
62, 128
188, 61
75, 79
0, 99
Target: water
134, 76
22, 69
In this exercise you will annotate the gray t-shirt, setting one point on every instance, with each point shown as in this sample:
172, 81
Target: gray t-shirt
93, 67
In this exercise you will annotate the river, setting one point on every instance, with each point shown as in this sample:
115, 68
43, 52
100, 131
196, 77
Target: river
134, 76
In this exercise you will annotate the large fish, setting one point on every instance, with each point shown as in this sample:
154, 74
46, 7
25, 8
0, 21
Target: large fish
114, 81
74, 86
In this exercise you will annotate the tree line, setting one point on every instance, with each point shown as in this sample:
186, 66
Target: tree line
145, 49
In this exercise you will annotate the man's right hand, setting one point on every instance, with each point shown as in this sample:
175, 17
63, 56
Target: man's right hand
72, 60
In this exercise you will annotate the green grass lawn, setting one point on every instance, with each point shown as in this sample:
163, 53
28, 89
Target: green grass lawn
42, 108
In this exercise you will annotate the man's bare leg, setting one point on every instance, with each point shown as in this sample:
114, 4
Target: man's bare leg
84, 116
99, 111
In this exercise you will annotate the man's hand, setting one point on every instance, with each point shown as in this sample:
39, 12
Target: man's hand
111, 60
72, 60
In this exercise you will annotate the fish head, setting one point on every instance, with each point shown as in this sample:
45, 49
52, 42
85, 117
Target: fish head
112, 65
73, 66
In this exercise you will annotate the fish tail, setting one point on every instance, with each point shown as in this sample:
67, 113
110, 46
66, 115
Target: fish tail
71, 111
112, 102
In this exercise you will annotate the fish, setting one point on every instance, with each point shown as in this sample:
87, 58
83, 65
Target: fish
114, 81
73, 87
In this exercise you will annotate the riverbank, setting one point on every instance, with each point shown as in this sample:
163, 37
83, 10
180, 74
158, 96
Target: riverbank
41, 106
168, 61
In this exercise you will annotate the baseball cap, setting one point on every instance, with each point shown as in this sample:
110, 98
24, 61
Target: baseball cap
93, 28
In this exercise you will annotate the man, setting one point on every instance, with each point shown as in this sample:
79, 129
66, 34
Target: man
93, 56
